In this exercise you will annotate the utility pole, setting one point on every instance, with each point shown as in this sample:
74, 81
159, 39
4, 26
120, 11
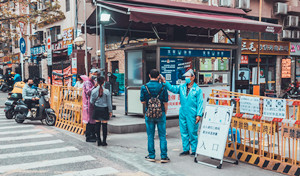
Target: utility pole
86, 41
102, 45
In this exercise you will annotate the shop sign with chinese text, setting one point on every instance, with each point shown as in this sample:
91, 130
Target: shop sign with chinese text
286, 68
295, 49
267, 47
38, 50
244, 59
67, 37
194, 53
275, 108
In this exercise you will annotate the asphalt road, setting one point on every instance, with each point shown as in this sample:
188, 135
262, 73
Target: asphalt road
35, 149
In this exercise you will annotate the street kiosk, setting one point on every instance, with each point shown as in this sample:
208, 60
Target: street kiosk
210, 62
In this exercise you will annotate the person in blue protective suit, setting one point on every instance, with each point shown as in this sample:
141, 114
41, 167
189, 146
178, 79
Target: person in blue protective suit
191, 110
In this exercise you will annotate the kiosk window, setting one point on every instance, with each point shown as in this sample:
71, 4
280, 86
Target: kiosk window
135, 73
214, 64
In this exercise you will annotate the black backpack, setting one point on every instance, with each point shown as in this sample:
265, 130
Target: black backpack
154, 105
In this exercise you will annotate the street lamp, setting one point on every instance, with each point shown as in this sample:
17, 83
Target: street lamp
79, 41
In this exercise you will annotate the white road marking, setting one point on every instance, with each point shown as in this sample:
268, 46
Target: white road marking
45, 163
95, 172
30, 144
7, 123
37, 152
25, 137
20, 131
17, 126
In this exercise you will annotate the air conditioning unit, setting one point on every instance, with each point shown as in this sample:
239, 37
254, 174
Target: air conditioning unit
280, 8
242, 4
292, 21
59, 37
225, 3
286, 34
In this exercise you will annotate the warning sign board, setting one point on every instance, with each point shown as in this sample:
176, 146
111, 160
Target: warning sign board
214, 131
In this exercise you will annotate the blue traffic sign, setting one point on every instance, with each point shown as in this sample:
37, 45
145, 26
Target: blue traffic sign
22, 45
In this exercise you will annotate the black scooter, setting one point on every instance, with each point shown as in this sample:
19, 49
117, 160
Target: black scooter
40, 111
11, 103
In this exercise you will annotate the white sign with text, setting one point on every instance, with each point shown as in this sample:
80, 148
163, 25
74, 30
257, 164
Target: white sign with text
249, 105
275, 108
214, 131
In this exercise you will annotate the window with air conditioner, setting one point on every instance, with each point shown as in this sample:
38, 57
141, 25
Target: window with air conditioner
280, 8
286, 34
242, 4
292, 21
225, 3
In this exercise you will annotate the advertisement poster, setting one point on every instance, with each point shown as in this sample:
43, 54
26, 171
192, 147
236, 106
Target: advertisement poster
223, 64
275, 108
205, 64
56, 80
249, 105
214, 131
173, 68
286, 68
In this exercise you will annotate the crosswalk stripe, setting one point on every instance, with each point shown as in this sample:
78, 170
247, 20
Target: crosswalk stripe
5, 120
46, 163
17, 126
37, 152
25, 137
21, 131
30, 144
7, 123
95, 172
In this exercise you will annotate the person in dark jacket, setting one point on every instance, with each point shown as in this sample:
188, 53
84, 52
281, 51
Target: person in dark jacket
101, 99
29, 95
152, 89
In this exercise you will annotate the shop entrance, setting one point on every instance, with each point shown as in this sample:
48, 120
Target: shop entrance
267, 73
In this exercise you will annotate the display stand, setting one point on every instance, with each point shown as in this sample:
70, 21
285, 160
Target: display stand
214, 134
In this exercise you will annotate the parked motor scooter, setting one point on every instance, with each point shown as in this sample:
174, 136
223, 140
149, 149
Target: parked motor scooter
11, 103
292, 92
40, 111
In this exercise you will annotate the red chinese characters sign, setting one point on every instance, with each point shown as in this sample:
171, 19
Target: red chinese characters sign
250, 46
286, 68
244, 59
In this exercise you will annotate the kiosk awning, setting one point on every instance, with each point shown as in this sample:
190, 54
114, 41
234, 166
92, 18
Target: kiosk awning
192, 19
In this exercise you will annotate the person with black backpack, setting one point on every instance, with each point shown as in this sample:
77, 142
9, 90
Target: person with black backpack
155, 96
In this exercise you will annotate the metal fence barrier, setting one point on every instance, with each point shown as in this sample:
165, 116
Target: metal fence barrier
270, 143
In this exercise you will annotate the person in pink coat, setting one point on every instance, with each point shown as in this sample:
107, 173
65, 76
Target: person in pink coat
87, 108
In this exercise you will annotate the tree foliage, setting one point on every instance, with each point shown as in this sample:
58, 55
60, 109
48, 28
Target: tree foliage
36, 13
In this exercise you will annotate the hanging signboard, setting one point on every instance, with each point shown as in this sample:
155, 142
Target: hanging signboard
74, 65
267, 47
275, 108
286, 68
214, 131
249, 105
244, 59
49, 51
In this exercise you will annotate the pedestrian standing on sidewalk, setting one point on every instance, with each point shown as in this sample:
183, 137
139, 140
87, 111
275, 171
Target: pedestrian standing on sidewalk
155, 96
101, 99
191, 110
87, 108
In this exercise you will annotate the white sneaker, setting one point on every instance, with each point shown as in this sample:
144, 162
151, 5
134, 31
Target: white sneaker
29, 114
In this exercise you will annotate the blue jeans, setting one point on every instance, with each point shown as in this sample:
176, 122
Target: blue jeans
161, 126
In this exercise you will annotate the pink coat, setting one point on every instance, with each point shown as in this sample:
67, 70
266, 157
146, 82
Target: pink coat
87, 108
